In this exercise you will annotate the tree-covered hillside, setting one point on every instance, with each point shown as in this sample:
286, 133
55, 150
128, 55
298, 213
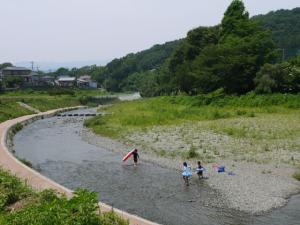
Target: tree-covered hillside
240, 54
117, 71
285, 26
207, 59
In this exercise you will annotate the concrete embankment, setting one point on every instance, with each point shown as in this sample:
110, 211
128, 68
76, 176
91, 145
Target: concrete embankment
35, 179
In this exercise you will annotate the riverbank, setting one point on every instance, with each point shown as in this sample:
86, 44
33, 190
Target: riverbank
40, 182
255, 188
254, 137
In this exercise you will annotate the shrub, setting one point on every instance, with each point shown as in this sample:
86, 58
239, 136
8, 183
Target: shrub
17, 128
26, 162
81, 209
11, 190
192, 153
296, 175
61, 91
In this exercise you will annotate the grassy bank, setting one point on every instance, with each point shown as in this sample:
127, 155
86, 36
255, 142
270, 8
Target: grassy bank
258, 128
20, 205
128, 116
42, 100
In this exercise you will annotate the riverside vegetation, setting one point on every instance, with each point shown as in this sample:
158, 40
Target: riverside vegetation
255, 136
224, 69
19, 204
253, 128
43, 100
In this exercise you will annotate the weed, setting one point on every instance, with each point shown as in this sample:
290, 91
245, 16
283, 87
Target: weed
192, 153
26, 162
296, 175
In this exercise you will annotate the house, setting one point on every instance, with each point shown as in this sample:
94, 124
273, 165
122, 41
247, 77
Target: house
40, 80
86, 82
65, 81
14, 71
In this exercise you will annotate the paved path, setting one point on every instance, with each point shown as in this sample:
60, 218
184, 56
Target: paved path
30, 108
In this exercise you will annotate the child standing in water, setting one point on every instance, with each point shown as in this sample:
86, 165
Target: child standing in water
200, 170
186, 173
135, 157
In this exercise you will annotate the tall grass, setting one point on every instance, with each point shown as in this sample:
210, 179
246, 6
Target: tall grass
47, 207
10, 109
167, 110
42, 100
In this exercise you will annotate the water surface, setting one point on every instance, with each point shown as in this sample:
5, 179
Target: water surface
55, 146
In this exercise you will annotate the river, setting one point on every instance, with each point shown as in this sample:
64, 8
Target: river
55, 146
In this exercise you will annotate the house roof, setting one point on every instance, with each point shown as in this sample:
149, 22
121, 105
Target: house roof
16, 68
47, 77
66, 79
82, 81
85, 77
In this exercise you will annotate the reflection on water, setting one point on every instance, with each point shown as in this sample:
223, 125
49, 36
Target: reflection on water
55, 146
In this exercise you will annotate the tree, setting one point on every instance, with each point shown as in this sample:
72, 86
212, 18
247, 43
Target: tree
235, 19
285, 27
283, 77
181, 65
13, 81
4, 65
62, 71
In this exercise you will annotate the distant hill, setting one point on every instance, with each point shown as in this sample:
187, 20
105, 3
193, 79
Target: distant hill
119, 69
285, 26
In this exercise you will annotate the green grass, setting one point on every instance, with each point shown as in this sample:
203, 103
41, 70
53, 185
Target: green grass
296, 175
10, 109
262, 128
128, 116
42, 100
20, 205
12, 190
54, 92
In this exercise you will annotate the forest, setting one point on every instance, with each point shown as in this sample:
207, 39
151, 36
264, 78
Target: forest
239, 55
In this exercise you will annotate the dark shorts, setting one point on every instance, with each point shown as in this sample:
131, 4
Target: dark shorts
200, 172
135, 160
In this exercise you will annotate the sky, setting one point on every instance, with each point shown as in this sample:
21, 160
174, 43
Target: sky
82, 30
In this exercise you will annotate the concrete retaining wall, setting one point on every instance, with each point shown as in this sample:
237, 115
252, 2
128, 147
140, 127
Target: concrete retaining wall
35, 179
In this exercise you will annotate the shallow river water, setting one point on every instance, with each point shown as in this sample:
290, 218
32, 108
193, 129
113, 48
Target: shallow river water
55, 147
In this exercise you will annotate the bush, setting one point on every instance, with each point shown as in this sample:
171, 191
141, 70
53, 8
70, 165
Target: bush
192, 153
17, 128
81, 209
61, 91
26, 162
48, 208
296, 175
11, 190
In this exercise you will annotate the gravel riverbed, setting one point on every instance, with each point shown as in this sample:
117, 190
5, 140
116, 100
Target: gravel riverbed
253, 187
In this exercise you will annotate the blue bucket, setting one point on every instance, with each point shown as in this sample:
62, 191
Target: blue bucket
221, 169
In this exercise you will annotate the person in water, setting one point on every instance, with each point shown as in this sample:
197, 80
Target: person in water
135, 157
186, 173
200, 170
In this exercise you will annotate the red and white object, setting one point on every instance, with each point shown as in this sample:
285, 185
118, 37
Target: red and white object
128, 155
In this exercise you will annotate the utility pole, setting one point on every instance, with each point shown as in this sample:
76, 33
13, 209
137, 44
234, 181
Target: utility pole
32, 63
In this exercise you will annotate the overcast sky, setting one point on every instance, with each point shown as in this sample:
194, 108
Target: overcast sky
68, 30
